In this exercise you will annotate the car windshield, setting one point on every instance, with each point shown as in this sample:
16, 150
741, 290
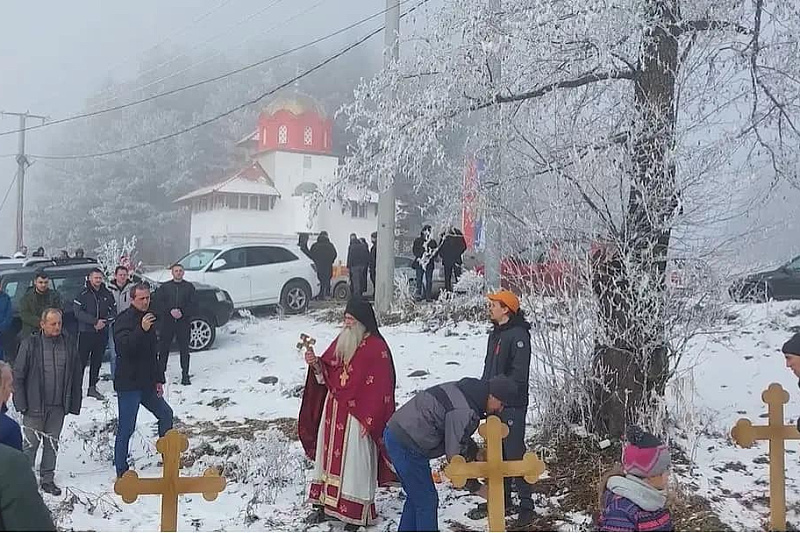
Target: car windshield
198, 259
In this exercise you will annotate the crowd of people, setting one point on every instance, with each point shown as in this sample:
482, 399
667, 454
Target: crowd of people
46, 374
350, 427
22, 253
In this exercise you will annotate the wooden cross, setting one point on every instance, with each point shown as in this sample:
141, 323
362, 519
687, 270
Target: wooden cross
494, 470
745, 434
171, 484
306, 342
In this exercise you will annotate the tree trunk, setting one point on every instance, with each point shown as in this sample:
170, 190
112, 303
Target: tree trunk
631, 357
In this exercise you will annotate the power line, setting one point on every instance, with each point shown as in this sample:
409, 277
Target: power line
215, 78
239, 107
225, 31
171, 35
8, 191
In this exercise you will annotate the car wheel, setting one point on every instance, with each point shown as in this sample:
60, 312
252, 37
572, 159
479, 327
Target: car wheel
202, 334
341, 291
296, 296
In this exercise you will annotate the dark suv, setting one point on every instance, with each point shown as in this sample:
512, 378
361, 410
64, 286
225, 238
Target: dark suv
215, 307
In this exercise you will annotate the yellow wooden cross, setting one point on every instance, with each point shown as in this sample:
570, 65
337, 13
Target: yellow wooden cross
494, 470
170, 446
745, 434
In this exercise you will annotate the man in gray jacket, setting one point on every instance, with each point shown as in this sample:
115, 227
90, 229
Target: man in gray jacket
47, 386
439, 421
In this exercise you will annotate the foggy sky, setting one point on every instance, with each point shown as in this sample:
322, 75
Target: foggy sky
55, 54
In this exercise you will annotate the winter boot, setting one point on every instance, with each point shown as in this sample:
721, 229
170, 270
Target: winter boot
481, 511
185, 379
317, 516
94, 393
50, 488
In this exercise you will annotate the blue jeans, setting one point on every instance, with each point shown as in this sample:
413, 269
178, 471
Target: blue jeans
128, 402
421, 510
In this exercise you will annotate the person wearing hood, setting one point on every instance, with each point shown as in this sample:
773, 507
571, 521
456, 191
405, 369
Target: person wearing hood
38, 298
347, 401
508, 353
634, 498
435, 422
94, 310
323, 253
120, 289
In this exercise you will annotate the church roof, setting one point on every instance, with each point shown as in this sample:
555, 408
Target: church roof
297, 104
252, 179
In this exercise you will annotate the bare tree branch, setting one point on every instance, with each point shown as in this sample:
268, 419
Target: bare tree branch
693, 26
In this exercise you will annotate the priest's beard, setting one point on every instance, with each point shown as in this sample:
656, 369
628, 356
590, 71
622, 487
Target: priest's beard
348, 341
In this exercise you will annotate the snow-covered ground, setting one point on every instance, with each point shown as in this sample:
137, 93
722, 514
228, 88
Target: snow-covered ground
246, 387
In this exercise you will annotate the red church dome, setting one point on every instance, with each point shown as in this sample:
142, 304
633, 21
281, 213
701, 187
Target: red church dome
295, 123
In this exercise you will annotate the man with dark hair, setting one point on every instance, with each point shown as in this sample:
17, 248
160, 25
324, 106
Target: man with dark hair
508, 354
94, 310
38, 298
435, 422
424, 248
120, 290
175, 303
323, 253
21, 505
140, 376
451, 249
373, 258
47, 387
79, 253
357, 264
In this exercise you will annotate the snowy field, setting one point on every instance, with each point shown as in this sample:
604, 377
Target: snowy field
239, 414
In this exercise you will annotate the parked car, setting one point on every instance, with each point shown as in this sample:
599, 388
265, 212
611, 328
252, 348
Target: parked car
403, 266
782, 283
254, 275
11, 264
214, 305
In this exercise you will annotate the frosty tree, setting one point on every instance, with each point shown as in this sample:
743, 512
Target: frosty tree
628, 122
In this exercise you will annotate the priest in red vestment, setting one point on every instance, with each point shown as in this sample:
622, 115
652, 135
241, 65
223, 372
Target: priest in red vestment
347, 401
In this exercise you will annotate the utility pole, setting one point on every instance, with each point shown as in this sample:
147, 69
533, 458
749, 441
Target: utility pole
384, 268
493, 249
22, 165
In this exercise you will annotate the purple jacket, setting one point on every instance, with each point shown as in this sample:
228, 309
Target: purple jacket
622, 514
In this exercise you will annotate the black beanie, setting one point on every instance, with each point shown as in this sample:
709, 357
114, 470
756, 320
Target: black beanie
792, 346
503, 388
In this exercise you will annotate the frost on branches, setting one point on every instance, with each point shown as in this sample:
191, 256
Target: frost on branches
114, 253
627, 126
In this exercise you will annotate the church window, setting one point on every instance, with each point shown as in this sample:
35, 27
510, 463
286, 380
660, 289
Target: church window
308, 136
307, 162
253, 202
266, 203
283, 134
358, 210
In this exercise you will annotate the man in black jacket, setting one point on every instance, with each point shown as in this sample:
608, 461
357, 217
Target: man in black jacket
451, 249
373, 258
424, 248
94, 309
175, 303
357, 264
47, 386
323, 253
439, 421
140, 376
508, 353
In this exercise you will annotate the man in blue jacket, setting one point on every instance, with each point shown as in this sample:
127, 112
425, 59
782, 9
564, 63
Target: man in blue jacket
94, 309
6, 313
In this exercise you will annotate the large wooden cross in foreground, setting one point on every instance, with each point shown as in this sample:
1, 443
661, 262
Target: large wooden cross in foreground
494, 470
745, 434
170, 446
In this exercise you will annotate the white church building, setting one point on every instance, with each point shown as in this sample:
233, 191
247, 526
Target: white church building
271, 199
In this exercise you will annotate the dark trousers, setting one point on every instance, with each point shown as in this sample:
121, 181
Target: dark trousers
424, 280
324, 285
91, 347
421, 509
448, 276
128, 404
172, 329
358, 280
513, 450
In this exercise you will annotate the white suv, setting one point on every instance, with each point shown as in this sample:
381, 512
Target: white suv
254, 274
